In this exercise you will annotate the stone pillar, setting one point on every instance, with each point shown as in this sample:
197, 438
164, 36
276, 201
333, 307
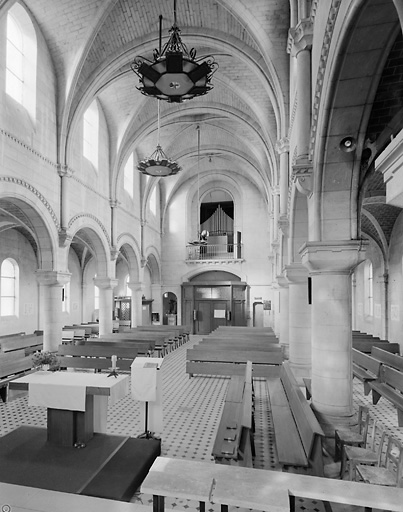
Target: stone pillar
330, 265
137, 307
299, 320
156, 294
299, 45
283, 148
284, 315
50, 306
106, 286
65, 175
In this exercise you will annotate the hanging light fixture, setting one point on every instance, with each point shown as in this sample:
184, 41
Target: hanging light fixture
158, 164
175, 75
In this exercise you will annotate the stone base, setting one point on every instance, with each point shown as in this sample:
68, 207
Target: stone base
330, 423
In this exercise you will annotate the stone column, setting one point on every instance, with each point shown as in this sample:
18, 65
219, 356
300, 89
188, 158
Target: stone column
50, 306
283, 148
137, 308
156, 293
330, 265
299, 46
299, 320
106, 286
284, 315
65, 174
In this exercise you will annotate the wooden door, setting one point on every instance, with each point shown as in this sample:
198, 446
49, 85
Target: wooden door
219, 313
203, 317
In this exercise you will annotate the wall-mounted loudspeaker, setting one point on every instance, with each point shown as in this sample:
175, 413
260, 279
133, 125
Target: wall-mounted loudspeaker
348, 144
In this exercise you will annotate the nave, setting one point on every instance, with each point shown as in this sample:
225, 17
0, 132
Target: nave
192, 409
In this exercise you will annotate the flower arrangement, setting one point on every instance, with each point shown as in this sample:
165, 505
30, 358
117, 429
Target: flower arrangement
40, 359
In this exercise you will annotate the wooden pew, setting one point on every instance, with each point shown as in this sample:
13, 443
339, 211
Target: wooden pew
183, 330
13, 364
29, 342
366, 345
208, 344
365, 368
298, 434
388, 358
234, 439
389, 385
228, 363
16, 358
96, 356
150, 341
173, 335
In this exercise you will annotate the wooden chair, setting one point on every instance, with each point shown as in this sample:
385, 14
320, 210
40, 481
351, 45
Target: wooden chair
368, 454
344, 437
389, 470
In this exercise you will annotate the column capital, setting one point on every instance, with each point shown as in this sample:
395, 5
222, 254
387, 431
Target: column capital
283, 145
135, 287
65, 237
300, 37
302, 176
106, 283
282, 281
333, 257
295, 273
52, 277
64, 171
113, 203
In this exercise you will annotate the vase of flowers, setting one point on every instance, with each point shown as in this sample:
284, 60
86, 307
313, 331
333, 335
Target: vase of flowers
45, 360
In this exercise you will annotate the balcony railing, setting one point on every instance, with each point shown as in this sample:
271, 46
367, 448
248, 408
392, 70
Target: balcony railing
214, 252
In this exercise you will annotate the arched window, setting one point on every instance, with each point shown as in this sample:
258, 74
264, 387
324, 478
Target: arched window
9, 286
369, 289
21, 56
128, 176
91, 134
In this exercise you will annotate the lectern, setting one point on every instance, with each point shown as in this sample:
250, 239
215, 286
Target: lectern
146, 386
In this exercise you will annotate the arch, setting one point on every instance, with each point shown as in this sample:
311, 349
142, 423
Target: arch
192, 274
351, 80
89, 242
35, 219
130, 251
153, 265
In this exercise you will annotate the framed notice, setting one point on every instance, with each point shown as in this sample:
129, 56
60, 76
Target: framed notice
219, 313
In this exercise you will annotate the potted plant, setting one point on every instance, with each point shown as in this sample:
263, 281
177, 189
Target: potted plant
45, 360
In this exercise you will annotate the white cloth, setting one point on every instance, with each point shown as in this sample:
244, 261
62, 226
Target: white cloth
67, 390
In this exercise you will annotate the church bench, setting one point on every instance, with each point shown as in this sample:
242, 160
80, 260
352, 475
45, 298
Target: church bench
29, 342
366, 346
228, 345
365, 368
181, 331
232, 362
11, 335
388, 358
234, 439
150, 341
95, 356
173, 335
390, 386
298, 435
13, 364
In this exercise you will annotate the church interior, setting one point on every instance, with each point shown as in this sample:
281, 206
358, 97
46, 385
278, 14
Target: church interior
199, 173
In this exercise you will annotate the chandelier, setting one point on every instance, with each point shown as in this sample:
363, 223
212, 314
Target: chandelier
175, 74
158, 164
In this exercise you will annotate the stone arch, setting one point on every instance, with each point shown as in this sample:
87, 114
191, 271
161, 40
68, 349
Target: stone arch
153, 264
130, 251
89, 241
33, 219
351, 79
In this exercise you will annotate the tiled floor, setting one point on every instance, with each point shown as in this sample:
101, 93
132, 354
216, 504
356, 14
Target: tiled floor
192, 409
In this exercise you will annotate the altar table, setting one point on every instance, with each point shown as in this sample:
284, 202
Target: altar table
76, 402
